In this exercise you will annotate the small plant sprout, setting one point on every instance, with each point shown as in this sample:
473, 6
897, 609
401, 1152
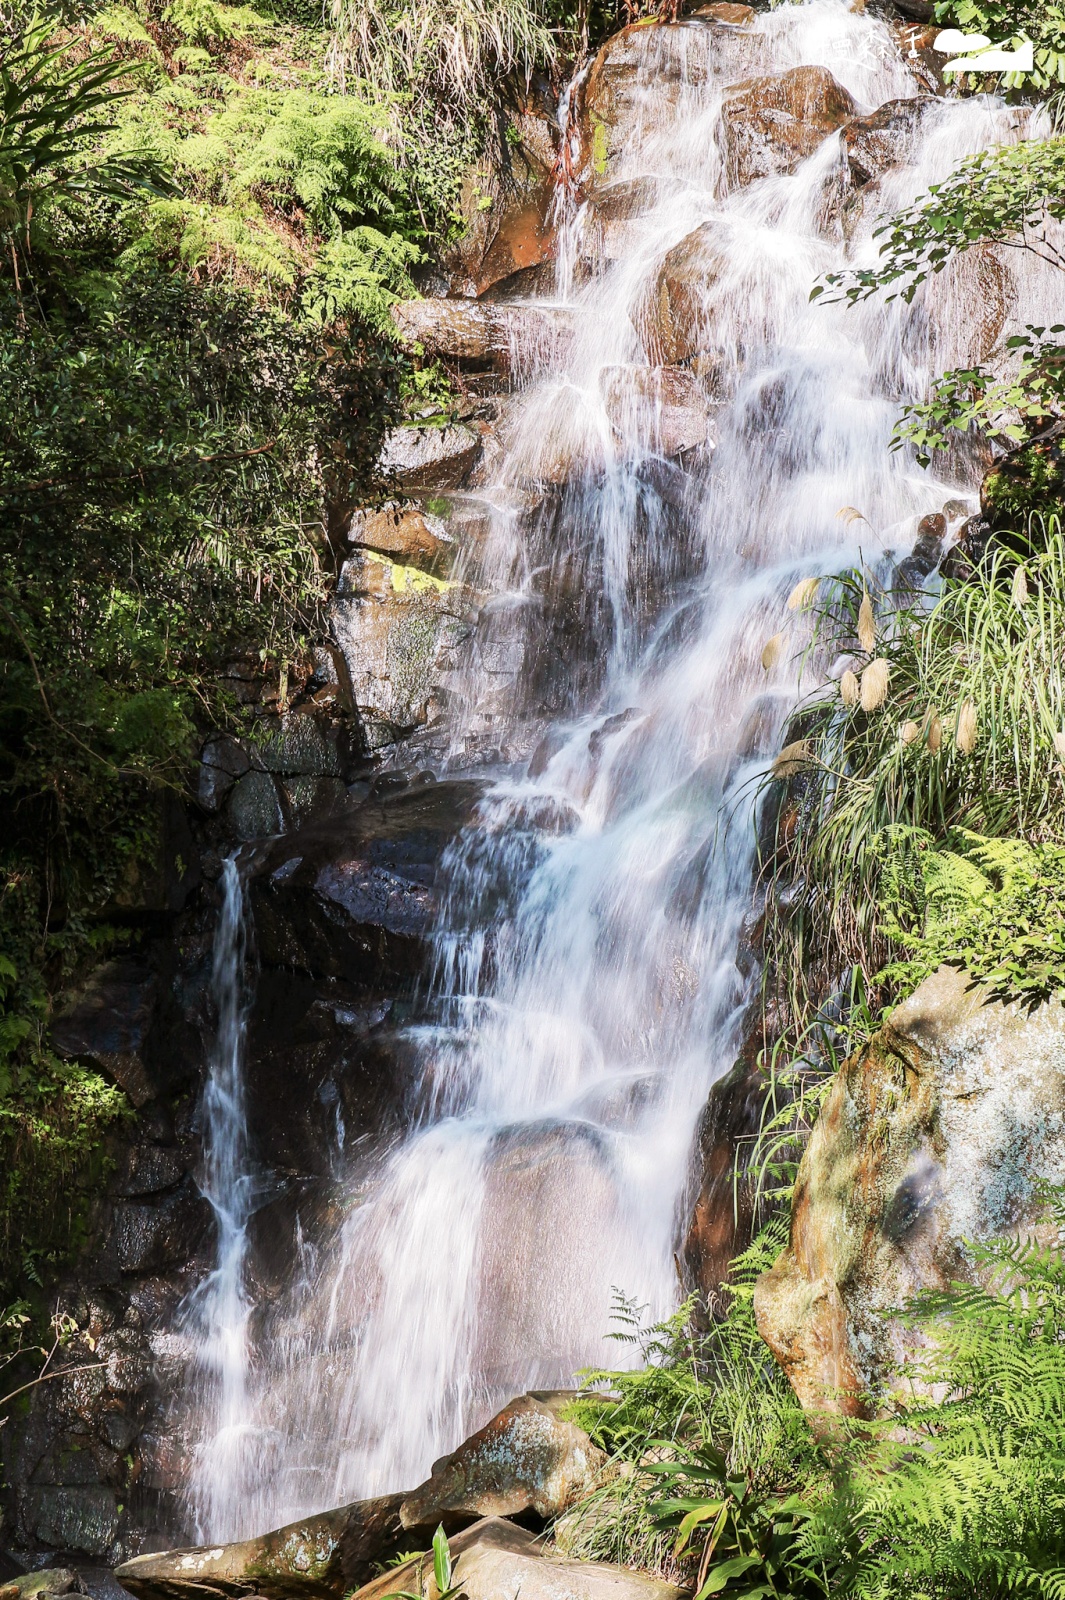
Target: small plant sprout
443, 1573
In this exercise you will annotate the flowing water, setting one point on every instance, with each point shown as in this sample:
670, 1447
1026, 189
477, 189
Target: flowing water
217, 1312
591, 974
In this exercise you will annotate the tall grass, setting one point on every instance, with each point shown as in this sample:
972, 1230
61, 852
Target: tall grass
966, 729
458, 50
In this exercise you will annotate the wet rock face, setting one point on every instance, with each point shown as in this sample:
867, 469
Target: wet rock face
935, 1133
670, 396
527, 1459
772, 124
400, 629
674, 321
873, 144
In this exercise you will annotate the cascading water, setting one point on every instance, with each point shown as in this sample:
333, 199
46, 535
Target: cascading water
218, 1310
590, 979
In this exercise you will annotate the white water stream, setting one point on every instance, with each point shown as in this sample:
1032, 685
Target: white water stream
581, 1021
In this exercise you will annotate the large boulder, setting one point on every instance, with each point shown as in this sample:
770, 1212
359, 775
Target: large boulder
673, 320
772, 124
302, 1559
495, 1560
875, 143
526, 1459
408, 534
937, 1132
504, 206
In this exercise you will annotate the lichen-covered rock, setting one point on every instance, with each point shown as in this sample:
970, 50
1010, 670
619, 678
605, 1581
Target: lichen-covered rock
772, 124
399, 628
525, 1459
46, 1580
937, 1132
495, 1560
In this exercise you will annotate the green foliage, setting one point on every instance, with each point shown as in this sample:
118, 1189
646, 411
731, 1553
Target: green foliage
443, 1572
704, 1393
966, 733
1005, 410
963, 1496
53, 112
1011, 22
995, 907
1004, 196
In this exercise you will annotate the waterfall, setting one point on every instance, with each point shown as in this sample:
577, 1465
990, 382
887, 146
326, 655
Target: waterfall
217, 1312
594, 957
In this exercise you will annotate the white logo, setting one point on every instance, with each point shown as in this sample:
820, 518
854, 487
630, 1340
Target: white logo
980, 55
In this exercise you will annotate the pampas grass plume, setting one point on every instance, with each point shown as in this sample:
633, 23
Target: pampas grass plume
1019, 591
866, 625
934, 727
802, 594
771, 651
1059, 747
908, 732
874, 684
965, 730
849, 691
791, 759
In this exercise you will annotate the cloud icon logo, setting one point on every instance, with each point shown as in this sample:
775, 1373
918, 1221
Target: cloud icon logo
979, 54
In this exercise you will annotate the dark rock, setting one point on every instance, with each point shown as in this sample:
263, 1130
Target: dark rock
353, 898
772, 124
146, 1169
525, 1459
222, 762
149, 1236
81, 1519
163, 874
722, 1217
924, 558
964, 557
254, 809
108, 1022
916, 10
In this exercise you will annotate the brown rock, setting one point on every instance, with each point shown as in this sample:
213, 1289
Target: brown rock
733, 16
657, 408
506, 209
408, 534
458, 328
772, 124
873, 144
525, 1459
495, 1560
937, 1132
673, 321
